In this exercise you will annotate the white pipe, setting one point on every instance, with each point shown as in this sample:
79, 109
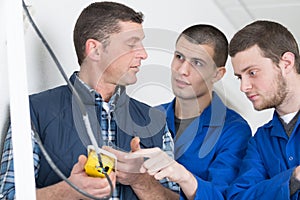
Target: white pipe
19, 103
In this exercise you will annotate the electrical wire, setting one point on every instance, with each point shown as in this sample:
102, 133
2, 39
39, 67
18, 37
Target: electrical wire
83, 112
57, 170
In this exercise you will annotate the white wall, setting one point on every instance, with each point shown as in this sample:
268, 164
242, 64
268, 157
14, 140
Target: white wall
164, 20
4, 99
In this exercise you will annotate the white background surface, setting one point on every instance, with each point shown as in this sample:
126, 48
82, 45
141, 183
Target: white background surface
164, 20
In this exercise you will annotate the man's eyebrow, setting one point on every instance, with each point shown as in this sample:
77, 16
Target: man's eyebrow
199, 59
243, 70
236, 74
192, 58
135, 39
177, 52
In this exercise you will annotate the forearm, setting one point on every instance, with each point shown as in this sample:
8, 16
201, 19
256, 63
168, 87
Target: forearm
294, 184
189, 185
149, 188
59, 191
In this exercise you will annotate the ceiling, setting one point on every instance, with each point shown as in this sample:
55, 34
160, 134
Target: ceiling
242, 12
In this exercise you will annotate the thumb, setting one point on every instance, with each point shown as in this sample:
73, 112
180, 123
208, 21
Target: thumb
79, 166
135, 144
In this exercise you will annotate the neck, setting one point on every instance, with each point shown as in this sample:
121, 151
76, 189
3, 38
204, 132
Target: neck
292, 101
106, 91
189, 108
96, 80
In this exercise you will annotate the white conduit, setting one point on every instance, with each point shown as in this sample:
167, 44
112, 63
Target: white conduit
19, 103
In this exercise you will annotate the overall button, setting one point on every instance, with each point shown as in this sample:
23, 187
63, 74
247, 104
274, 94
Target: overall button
291, 158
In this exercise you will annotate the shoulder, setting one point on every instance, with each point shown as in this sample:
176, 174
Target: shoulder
51, 99
264, 130
224, 113
143, 112
145, 108
234, 117
164, 105
50, 94
138, 103
235, 124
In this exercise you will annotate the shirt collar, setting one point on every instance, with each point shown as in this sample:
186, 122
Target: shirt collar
212, 115
277, 127
89, 94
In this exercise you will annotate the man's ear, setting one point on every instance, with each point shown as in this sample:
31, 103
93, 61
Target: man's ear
287, 62
93, 49
220, 71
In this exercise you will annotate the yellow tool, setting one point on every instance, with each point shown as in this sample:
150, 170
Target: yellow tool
92, 166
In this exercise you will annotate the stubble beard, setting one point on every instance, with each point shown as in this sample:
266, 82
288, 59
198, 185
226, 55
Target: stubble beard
277, 97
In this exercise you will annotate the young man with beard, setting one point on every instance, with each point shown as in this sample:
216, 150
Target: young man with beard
210, 139
265, 57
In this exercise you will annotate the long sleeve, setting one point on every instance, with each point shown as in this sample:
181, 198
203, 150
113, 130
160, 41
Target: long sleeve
222, 134
223, 169
254, 181
7, 189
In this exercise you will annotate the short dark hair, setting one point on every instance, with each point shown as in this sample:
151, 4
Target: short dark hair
209, 35
98, 21
272, 38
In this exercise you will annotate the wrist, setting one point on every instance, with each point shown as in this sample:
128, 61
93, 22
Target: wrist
143, 182
61, 190
186, 177
188, 184
296, 173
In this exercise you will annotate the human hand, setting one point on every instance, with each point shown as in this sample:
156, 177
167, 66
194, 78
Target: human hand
160, 165
135, 144
297, 173
128, 169
98, 187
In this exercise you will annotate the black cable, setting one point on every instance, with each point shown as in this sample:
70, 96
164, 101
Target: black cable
57, 170
45, 43
82, 109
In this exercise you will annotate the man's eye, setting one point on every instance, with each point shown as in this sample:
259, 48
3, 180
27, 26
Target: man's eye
252, 73
197, 63
178, 56
131, 45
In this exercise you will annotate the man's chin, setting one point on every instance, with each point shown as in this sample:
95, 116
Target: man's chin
131, 82
262, 107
